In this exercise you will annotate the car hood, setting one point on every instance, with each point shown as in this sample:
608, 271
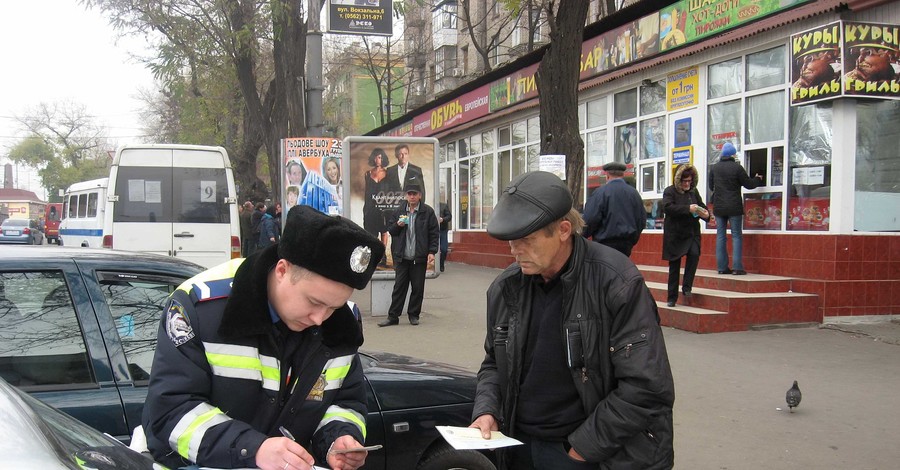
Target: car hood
401, 382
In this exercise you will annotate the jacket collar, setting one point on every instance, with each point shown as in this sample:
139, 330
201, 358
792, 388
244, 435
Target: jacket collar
247, 308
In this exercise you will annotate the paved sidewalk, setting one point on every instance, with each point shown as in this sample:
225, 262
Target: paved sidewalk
730, 411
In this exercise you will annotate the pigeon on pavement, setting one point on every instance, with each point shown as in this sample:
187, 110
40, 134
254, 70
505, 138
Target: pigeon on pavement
793, 396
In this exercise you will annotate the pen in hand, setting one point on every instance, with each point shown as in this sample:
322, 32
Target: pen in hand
286, 433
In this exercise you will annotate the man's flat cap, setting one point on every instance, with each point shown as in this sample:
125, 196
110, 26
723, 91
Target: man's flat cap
615, 166
530, 202
333, 247
413, 187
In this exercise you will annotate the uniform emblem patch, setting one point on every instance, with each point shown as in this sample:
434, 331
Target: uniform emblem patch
360, 258
318, 390
177, 326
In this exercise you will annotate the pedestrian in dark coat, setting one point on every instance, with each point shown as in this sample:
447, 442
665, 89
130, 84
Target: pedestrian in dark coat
684, 208
444, 220
725, 181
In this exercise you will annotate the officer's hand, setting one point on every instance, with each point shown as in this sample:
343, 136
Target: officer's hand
281, 453
486, 423
348, 460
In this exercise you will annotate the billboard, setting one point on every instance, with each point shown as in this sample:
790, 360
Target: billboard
362, 17
312, 174
378, 170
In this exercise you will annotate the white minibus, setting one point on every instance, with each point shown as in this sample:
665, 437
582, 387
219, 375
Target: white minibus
175, 200
83, 214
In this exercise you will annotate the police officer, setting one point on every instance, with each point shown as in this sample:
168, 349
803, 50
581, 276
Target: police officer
262, 344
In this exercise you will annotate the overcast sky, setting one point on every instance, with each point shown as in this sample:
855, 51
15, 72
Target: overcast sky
57, 51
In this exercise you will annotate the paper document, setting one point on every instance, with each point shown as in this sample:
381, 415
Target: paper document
470, 438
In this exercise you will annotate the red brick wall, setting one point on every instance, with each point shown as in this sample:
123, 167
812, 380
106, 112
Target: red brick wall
851, 274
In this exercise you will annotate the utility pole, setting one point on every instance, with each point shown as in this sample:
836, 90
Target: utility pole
314, 89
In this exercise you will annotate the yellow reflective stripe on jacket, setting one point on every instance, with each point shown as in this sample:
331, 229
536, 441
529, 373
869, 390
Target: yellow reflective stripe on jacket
243, 362
336, 370
190, 429
223, 271
346, 415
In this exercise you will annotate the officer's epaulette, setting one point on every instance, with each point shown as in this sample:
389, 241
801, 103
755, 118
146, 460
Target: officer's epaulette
201, 291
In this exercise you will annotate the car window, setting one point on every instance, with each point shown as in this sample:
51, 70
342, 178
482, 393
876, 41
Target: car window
41, 341
136, 303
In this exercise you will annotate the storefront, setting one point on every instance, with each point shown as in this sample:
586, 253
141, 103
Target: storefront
809, 93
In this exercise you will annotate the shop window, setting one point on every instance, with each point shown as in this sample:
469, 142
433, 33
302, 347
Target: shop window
626, 139
653, 98
762, 211
877, 197
534, 129
534, 157
504, 166
475, 200
811, 132
475, 144
463, 148
596, 157
725, 78
764, 124
503, 136
488, 188
487, 140
582, 116
463, 221
724, 121
596, 113
519, 135
655, 215
519, 161
625, 105
766, 68
653, 138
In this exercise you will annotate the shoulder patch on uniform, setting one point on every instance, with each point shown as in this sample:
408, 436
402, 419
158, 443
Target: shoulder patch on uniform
177, 325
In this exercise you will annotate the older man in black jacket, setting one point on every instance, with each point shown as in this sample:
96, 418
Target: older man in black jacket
576, 365
725, 181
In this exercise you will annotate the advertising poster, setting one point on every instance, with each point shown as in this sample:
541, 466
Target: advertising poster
683, 89
363, 17
871, 60
312, 174
816, 64
378, 170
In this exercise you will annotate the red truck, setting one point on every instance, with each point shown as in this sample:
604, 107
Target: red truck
51, 221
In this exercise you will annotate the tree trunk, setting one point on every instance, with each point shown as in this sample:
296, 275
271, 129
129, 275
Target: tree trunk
557, 84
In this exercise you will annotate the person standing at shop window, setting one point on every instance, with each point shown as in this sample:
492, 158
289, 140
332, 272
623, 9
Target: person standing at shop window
725, 181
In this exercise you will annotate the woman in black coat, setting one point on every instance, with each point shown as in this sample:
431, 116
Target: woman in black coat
683, 208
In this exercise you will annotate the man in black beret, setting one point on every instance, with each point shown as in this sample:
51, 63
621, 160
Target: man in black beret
614, 214
256, 363
415, 235
575, 364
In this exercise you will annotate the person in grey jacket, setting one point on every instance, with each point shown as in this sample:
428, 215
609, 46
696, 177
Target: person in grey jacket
725, 181
576, 365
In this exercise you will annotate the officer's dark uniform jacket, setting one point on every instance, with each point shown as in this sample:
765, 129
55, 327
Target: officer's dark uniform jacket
623, 377
224, 377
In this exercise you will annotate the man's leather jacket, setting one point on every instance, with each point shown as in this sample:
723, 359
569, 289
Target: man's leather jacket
622, 375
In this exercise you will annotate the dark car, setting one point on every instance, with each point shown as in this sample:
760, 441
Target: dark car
78, 329
21, 231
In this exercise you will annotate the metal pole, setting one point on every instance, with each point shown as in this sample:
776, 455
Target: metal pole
314, 88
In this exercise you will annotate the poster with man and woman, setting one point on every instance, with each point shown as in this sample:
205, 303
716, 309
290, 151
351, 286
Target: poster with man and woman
379, 170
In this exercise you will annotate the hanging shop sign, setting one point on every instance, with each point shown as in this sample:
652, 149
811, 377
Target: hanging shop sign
367, 18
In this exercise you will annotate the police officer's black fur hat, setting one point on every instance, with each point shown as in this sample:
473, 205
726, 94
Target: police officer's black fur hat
333, 247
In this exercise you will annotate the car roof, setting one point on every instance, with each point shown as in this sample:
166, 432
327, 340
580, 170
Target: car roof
26, 221
9, 252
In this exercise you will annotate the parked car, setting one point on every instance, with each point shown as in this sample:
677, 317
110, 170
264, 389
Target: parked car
78, 328
34, 435
20, 231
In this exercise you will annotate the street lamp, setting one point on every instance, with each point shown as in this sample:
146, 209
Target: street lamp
374, 120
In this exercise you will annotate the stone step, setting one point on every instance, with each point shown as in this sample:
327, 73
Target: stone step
741, 310
713, 280
694, 319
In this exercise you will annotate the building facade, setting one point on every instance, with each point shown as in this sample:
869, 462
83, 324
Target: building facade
672, 87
